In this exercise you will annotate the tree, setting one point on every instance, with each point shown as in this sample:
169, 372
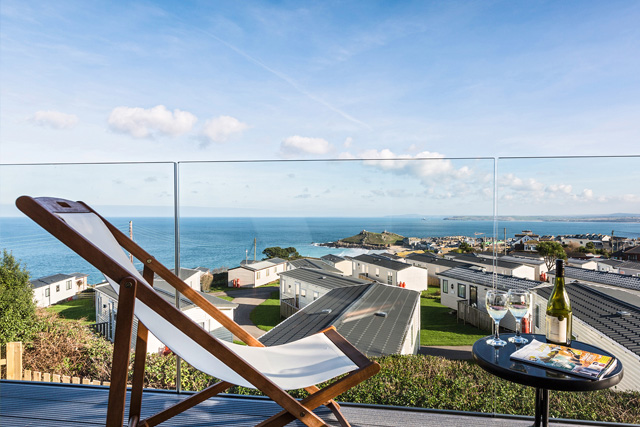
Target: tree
551, 251
278, 252
465, 247
17, 307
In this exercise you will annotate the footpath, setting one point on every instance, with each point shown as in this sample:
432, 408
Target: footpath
247, 299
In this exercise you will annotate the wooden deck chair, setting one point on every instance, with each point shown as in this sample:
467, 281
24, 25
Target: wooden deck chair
272, 370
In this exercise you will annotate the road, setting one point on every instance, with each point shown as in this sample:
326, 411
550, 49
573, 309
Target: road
248, 299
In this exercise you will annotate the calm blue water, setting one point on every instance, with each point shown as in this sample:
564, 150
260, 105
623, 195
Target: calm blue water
217, 242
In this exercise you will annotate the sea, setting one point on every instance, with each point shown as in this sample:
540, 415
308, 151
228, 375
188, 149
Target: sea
225, 242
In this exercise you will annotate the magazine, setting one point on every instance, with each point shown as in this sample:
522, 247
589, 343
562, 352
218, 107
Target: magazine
565, 359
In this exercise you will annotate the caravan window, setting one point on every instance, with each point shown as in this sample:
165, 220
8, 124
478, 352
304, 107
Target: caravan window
462, 290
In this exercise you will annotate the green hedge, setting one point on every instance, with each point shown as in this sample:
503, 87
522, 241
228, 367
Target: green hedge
434, 382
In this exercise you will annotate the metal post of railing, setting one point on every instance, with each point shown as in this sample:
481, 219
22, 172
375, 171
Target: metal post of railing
176, 232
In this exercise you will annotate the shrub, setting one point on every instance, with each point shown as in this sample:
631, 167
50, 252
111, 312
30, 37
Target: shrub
17, 307
67, 347
435, 382
205, 281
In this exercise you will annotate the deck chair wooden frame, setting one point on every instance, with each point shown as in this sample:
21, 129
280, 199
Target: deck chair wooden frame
45, 210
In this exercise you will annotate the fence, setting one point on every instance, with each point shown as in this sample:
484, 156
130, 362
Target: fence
102, 328
88, 294
287, 307
11, 365
478, 318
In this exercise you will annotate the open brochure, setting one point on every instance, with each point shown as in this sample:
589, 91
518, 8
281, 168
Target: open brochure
565, 359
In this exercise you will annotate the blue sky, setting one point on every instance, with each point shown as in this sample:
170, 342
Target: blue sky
106, 81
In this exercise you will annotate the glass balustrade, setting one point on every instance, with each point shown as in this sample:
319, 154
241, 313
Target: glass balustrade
450, 229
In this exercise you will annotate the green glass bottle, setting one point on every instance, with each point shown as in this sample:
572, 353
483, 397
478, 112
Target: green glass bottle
559, 314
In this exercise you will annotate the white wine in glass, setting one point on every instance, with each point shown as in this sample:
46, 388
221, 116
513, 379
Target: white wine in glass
518, 302
496, 301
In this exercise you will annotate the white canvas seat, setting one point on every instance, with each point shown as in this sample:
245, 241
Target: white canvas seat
272, 370
291, 366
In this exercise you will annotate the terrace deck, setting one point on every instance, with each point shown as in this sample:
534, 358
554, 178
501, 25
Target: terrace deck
47, 405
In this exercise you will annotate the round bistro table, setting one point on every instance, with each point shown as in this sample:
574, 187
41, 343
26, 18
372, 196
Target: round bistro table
498, 363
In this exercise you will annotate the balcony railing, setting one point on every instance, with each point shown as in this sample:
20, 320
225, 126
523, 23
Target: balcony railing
207, 214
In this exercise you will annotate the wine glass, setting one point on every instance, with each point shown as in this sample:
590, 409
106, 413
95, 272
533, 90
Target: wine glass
518, 302
496, 301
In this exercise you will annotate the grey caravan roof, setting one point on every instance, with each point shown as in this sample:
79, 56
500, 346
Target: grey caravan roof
355, 312
382, 262
167, 292
611, 262
47, 280
630, 264
487, 279
601, 311
323, 278
451, 263
314, 263
522, 260
423, 257
602, 277
488, 262
333, 258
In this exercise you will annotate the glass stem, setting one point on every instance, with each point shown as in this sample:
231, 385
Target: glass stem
518, 327
497, 322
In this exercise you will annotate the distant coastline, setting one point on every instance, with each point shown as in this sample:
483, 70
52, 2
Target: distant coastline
589, 218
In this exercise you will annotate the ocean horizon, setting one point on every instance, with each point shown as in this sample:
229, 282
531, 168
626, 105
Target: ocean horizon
215, 242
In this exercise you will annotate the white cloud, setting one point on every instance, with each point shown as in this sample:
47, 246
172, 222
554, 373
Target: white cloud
219, 129
530, 190
440, 177
54, 119
559, 188
142, 123
300, 145
347, 142
630, 198
425, 165
399, 192
346, 156
587, 194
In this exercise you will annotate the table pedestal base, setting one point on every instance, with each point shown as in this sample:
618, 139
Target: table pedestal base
542, 408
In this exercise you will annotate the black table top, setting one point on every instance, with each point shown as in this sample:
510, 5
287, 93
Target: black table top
497, 362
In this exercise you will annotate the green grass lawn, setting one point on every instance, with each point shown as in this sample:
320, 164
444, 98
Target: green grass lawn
224, 297
267, 315
438, 327
76, 309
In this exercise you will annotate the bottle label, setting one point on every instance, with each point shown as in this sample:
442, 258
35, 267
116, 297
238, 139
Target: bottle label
557, 329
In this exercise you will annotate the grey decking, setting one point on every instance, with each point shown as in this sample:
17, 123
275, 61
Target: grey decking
37, 404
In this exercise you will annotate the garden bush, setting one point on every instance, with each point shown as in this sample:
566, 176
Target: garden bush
67, 347
438, 383
70, 348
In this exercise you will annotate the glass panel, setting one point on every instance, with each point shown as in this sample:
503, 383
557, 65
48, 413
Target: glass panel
586, 210
123, 193
119, 192
232, 212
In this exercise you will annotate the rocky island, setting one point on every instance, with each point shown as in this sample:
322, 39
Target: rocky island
368, 240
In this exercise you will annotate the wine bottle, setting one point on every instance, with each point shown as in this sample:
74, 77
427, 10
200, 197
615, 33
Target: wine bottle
559, 314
